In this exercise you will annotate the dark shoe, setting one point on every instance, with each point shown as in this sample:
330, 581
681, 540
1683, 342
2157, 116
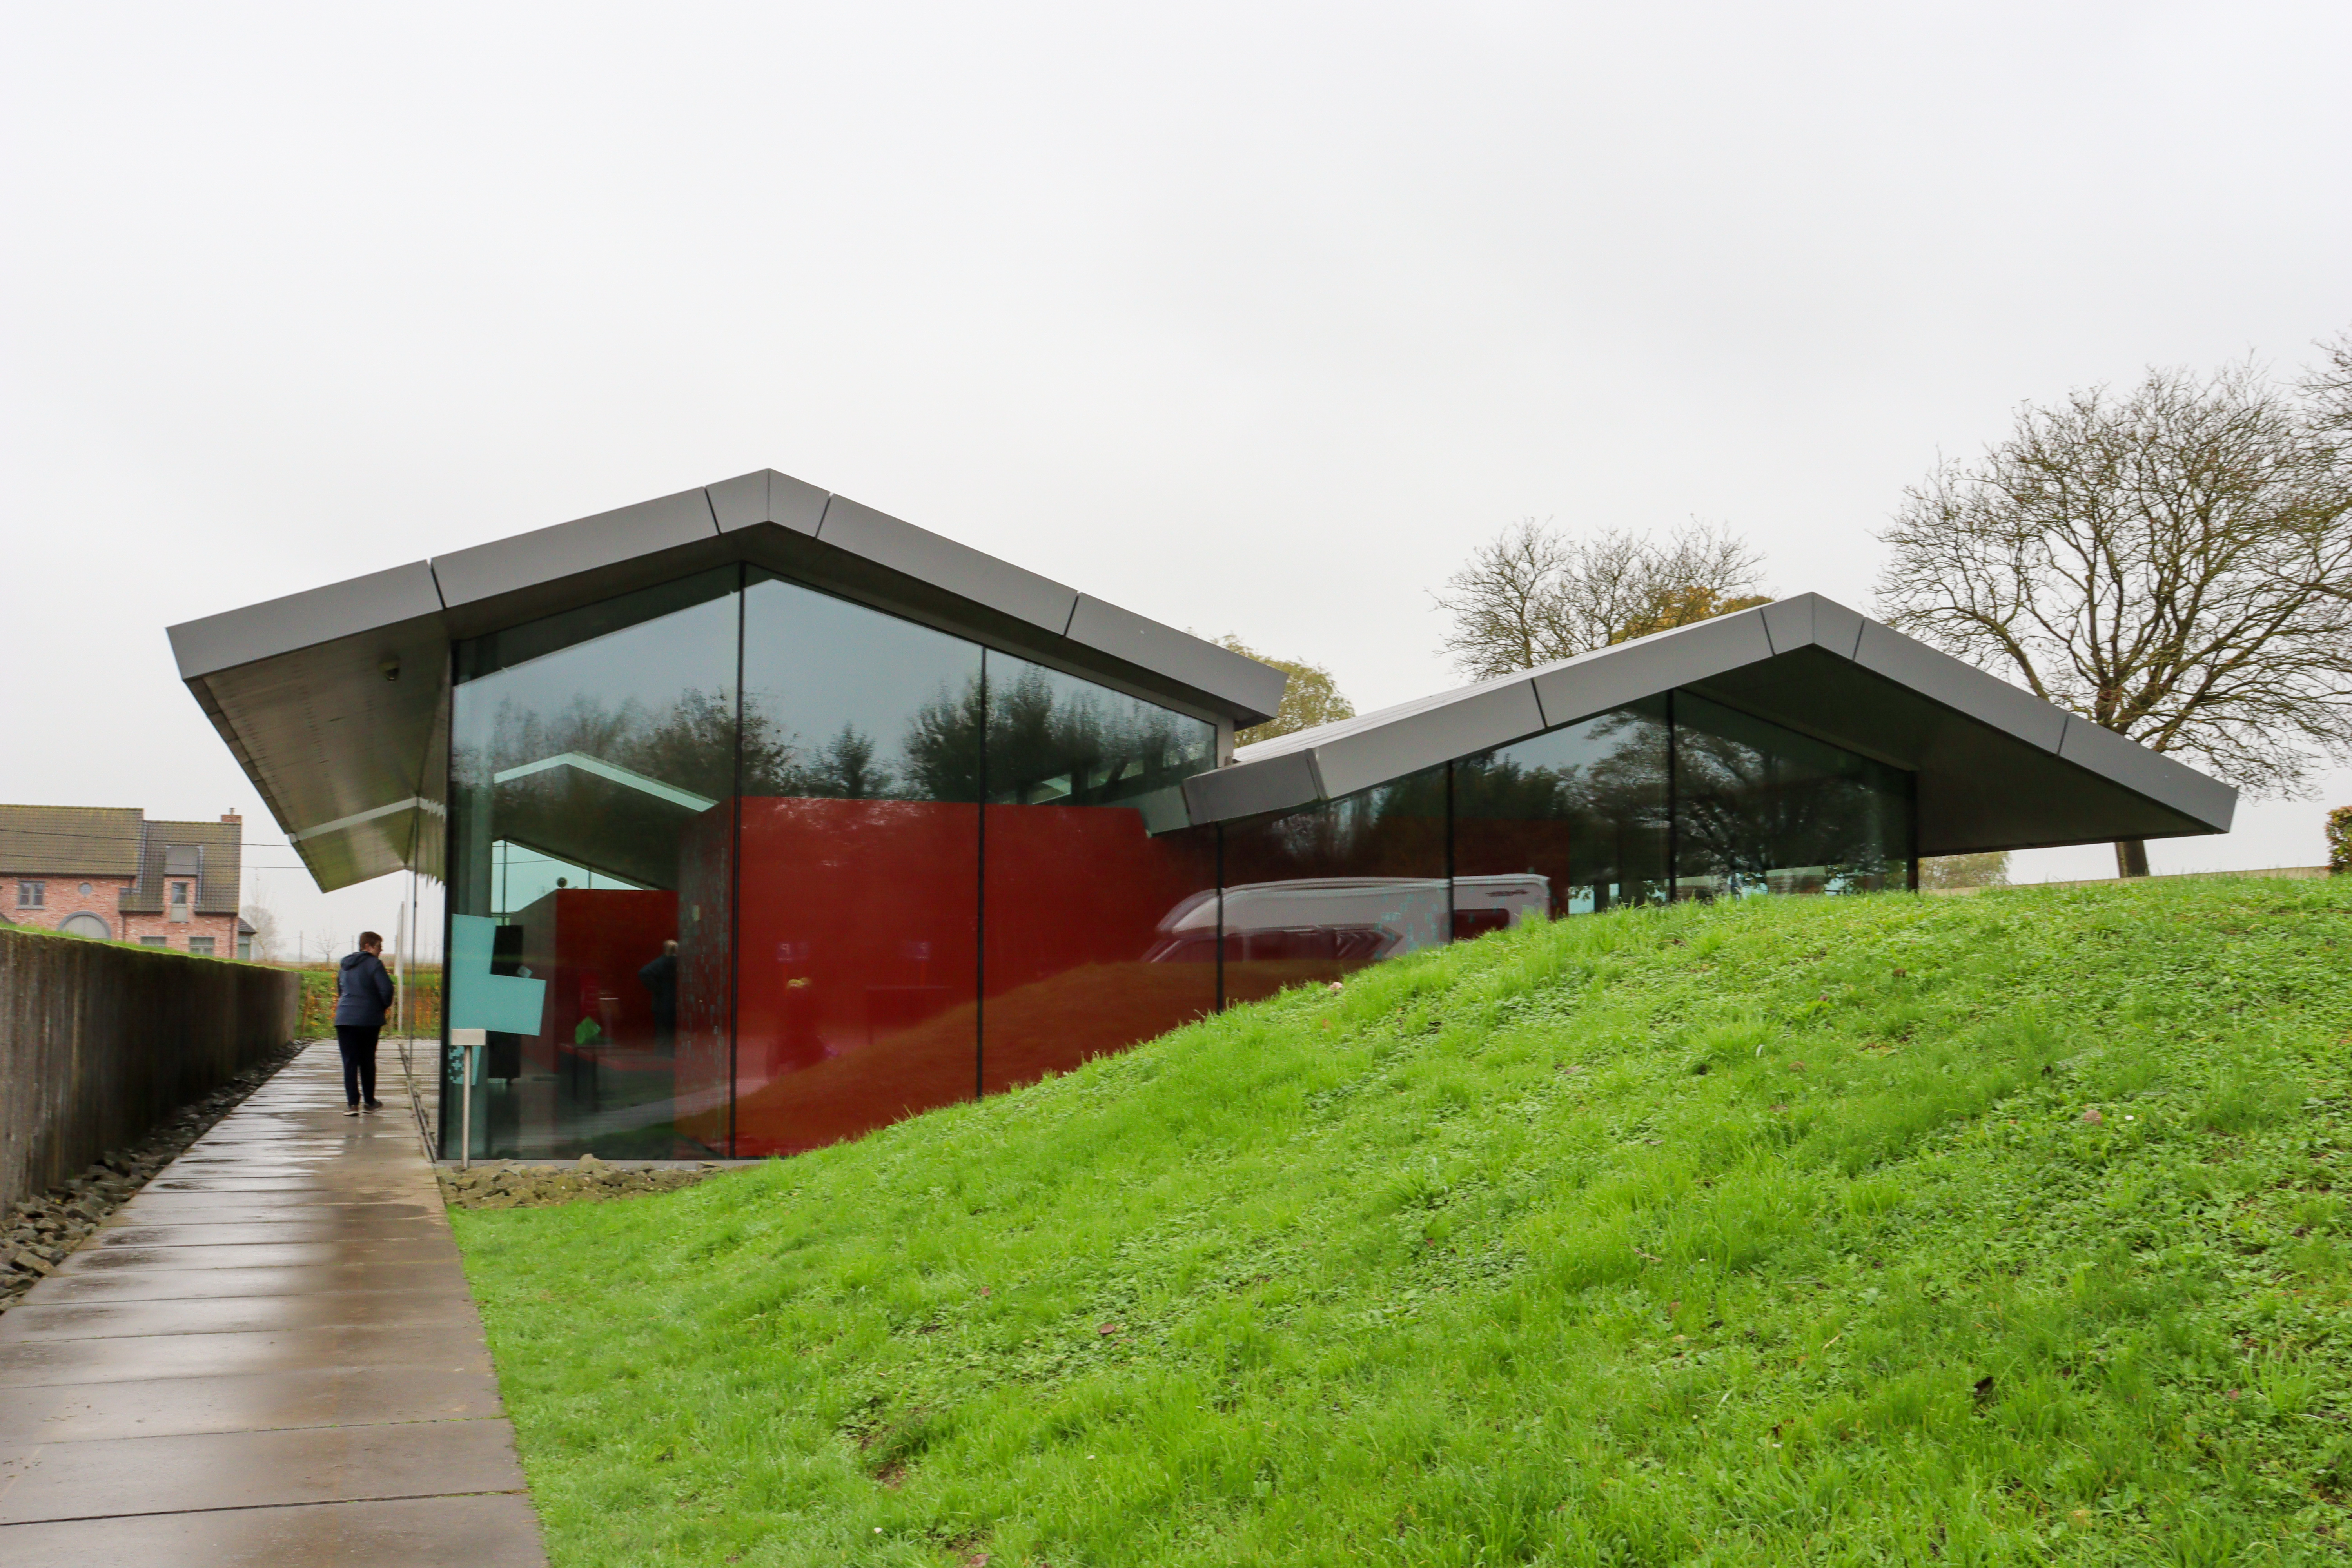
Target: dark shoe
351, 1111
375, 1105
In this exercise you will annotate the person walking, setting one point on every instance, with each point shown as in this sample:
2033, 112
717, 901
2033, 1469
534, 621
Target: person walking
660, 980
362, 993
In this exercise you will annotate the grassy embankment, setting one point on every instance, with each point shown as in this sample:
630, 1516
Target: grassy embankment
319, 982
1760, 1234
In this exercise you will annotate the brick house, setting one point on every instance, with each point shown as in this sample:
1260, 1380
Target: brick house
110, 872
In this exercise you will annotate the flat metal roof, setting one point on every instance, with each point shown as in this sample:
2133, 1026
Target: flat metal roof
352, 766
1998, 767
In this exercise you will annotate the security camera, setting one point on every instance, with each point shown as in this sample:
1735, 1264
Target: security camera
391, 668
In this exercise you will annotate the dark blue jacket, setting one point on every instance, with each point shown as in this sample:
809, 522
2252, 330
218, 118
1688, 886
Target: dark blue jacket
362, 991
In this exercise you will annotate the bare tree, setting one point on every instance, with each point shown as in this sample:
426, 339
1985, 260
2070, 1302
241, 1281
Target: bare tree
1531, 595
2169, 562
265, 932
1312, 697
1946, 872
2327, 388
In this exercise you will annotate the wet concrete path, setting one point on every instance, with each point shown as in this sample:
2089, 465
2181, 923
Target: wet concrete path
267, 1356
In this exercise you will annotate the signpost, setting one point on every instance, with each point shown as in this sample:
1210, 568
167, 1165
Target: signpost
469, 1041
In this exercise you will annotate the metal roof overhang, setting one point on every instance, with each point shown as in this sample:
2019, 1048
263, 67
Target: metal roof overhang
335, 701
1997, 768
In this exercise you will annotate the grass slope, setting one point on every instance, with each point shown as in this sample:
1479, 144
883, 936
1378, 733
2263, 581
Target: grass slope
1766, 1232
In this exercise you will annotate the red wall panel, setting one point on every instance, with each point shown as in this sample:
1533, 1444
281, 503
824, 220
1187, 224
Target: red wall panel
858, 966
1077, 896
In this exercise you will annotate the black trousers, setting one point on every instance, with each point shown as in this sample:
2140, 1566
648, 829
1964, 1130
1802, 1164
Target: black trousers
357, 1042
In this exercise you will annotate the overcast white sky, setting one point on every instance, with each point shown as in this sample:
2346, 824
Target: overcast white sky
1252, 317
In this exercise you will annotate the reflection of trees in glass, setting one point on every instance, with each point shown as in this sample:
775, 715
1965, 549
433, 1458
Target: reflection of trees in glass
843, 769
1988, 870
575, 815
1066, 740
1582, 805
1048, 741
943, 745
688, 745
1394, 830
1620, 785
1743, 810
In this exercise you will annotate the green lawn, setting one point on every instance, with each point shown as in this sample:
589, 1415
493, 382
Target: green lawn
1767, 1233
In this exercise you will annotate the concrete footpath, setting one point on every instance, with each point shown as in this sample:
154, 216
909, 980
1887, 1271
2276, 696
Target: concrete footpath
269, 1356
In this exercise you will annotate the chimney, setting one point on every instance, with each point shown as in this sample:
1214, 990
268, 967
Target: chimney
231, 816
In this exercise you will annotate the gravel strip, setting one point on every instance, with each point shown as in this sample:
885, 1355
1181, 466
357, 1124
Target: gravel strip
517, 1186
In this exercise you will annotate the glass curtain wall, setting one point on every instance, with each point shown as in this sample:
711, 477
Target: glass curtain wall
1760, 809
592, 759
741, 867
860, 870
1315, 894
1672, 797
1569, 822
1087, 915
719, 886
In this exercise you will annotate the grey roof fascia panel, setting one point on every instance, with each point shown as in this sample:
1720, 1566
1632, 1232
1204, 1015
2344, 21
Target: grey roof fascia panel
1835, 627
2151, 773
1789, 623
568, 549
1494, 716
738, 503
1277, 783
1611, 677
1808, 620
958, 569
1962, 688
393, 597
1379, 718
1197, 663
767, 496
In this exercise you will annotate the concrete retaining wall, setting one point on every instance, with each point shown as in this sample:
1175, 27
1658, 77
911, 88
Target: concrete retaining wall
98, 1043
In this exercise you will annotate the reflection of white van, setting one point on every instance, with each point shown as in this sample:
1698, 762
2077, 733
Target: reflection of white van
1351, 919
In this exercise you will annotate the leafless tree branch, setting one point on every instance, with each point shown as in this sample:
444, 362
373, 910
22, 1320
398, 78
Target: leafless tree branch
1531, 595
2173, 562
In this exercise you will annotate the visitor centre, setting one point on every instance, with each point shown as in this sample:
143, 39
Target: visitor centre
764, 818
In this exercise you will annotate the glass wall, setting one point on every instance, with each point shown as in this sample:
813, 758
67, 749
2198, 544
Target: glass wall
1674, 796
1312, 895
593, 754
1569, 822
1759, 809
739, 867
860, 885
1086, 911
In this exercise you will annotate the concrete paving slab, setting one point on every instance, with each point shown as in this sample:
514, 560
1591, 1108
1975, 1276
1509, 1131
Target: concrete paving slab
232, 1211
350, 1218
103, 1476
102, 1256
231, 1315
265, 1179
30, 1362
442, 1278
269, 1356
250, 1231
246, 1402
490, 1532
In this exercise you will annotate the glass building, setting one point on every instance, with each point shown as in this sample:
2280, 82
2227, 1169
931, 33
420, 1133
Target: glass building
766, 819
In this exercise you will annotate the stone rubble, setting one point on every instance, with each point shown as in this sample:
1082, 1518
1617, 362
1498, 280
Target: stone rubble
37, 1233
506, 1185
